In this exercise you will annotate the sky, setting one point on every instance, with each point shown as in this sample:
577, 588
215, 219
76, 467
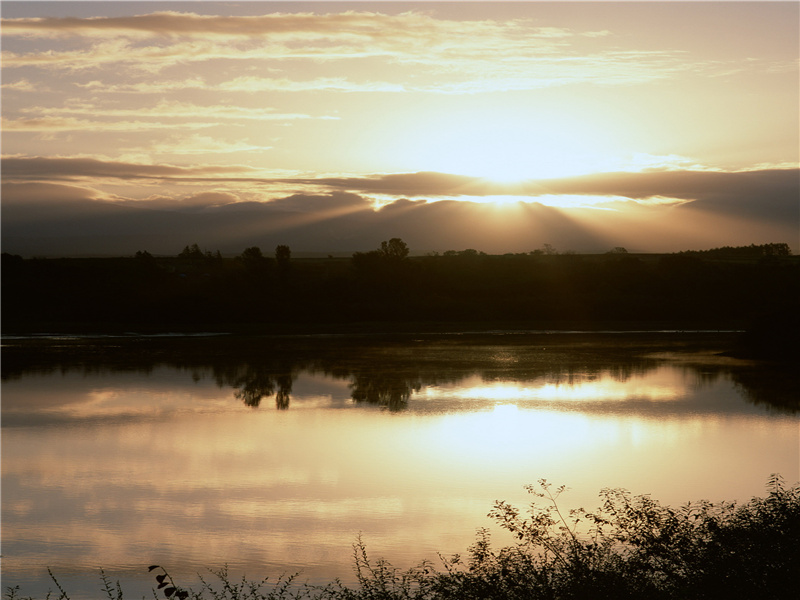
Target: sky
332, 126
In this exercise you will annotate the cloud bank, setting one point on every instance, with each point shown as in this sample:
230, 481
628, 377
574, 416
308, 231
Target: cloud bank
70, 214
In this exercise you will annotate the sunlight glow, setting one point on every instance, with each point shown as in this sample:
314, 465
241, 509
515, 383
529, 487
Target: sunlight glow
505, 143
606, 389
506, 156
554, 200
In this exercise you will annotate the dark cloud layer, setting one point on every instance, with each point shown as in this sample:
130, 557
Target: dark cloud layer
744, 186
410, 184
772, 194
56, 206
40, 168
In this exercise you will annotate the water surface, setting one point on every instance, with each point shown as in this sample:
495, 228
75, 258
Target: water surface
273, 458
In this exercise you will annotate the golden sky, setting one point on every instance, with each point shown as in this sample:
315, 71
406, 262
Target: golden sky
331, 126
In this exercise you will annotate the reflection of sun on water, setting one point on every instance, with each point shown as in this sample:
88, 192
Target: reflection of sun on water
604, 390
547, 420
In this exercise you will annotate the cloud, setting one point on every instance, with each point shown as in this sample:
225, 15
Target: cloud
145, 87
169, 109
38, 168
743, 191
73, 218
54, 124
38, 193
247, 84
427, 184
40, 220
769, 194
350, 25
331, 84
21, 85
321, 203
200, 144
512, 54
764, 194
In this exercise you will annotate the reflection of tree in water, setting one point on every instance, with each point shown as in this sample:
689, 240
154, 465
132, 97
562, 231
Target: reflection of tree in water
776, 387
386, 373
284, 381
384, 388
253, 383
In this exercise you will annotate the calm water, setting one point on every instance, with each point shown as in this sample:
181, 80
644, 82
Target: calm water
274, 460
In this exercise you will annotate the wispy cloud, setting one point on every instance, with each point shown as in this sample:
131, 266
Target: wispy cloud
170, 109
512, 54
19, 168
200, 145
21, 85
287, 26
63, 124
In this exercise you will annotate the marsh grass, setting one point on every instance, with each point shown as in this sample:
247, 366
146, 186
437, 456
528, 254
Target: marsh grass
631, 547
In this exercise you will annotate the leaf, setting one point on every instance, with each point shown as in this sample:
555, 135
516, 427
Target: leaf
169, 591
151, 567
161, 578
182, 594
162, 584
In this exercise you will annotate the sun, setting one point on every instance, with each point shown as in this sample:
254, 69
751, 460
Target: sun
506, 151
499, 155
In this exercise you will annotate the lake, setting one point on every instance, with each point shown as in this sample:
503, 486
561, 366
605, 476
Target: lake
272, 455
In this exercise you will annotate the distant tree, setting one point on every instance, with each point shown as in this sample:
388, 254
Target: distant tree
777, 249
549, 250
253, 259
384, 267
253, 253
282, 254
368, 261
191, 252
395, 249
617, 250
11, 263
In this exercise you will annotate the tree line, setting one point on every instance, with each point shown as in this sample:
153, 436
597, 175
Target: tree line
201, 289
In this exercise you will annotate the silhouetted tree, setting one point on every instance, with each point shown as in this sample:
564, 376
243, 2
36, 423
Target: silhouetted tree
252, 253
192, 252
252, 258
777, 250
368, 262
283, 254
395, 248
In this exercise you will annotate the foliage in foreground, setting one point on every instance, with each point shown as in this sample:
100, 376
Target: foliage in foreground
631, 547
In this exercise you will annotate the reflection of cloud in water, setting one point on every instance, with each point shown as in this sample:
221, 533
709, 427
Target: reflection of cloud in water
663, 386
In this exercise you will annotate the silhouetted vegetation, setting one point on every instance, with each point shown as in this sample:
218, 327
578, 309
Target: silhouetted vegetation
746, 252
750, 287
630, 547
